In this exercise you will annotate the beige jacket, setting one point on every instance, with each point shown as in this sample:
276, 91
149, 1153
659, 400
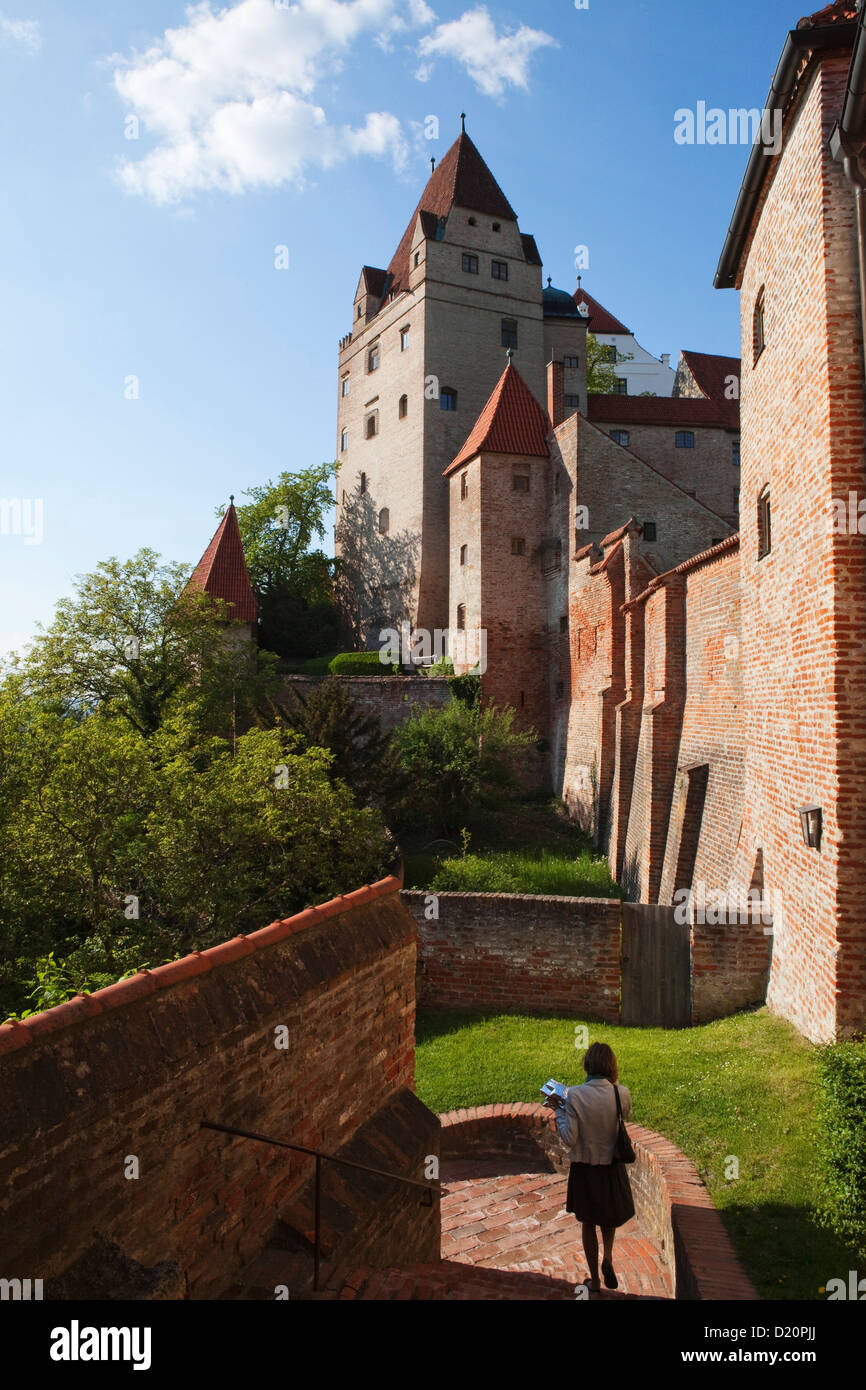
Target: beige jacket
587, 1122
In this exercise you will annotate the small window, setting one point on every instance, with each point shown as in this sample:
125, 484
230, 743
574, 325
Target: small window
371, 426
373, 359
649, 531
417, 258
610, 354
463, 554
404, 339
464, 486
403, 407
384, 521
518, 545
560, 689
497, 227
470, 264
621, 386
735, 453
685, 439
563, 623
758, 339
572, 402
461, 617
509, 333
344, 386
360, 310
499, 270
363, 487
570, 362
764, 534
520, 482
473, 221
344, 441
620, 436
447, 398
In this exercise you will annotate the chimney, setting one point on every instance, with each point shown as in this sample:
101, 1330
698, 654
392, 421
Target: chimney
666, 359
555, 393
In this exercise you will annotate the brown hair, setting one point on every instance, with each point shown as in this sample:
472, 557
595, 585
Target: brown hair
600, 1060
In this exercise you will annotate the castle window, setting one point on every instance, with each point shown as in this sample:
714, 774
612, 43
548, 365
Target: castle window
372, 425
685, 439
447, 398
403, 407
649, 531
621, 386
470, 264
520, 482
572, 402
473, 221
497, 227
735, 452
384, 521
344, 386
563, 623
417, 259
344, 441
570, 362
360, 310
373, 358
499, 270
404, 339
764, 535
363, 487
620, 436
463, 554
509, 333
461, 617
518, 545
758, 339
464, 485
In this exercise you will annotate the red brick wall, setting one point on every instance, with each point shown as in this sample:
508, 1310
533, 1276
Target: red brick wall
803, 648
133, 1069
509, 953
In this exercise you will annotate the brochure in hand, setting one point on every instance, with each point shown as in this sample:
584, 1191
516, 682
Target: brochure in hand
556, 1090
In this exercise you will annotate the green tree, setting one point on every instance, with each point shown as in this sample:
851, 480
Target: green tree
328, 717
601, 379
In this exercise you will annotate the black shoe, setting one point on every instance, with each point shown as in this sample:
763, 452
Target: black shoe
610, 1279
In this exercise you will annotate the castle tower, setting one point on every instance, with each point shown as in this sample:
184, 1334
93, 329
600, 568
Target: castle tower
423, 355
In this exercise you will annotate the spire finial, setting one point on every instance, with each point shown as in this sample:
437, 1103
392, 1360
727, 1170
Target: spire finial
232, 500
549, 281
578, 282
463, 122
510, 355
432, 162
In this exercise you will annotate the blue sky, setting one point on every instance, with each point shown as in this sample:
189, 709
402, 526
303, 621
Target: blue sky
302, 125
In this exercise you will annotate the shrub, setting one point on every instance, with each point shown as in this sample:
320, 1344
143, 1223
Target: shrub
840, 1204
329, 718
361, 664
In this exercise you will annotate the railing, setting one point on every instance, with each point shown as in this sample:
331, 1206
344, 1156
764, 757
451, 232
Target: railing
319, 1154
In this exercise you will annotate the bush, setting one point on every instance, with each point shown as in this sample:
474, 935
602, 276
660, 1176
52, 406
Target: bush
361, 664
840, 1205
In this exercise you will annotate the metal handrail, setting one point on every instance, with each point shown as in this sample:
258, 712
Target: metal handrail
319, 1154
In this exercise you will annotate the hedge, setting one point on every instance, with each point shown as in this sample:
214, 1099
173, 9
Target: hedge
361, 664
840, 1202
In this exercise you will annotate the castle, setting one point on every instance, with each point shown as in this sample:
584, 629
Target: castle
698, 688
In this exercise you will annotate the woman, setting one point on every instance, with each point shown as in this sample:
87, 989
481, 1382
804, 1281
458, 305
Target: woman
599, 1193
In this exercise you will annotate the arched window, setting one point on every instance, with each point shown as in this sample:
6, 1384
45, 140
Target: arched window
447, 398
403, 407
371, 426
384, 521
758, 340
461, 617
463, 554
765, 540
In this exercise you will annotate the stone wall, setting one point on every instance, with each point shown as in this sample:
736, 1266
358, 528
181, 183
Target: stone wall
392, 699
130, 1071
512, 954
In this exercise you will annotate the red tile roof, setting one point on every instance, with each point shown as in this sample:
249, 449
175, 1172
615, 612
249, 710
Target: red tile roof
658, 410
222, 571
512, 422
840, 13
619, 534
602, 321
712, 374
461, 179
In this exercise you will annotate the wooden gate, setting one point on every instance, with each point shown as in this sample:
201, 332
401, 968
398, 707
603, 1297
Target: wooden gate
656, 968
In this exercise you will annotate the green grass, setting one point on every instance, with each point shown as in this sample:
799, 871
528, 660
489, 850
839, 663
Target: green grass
540, 871
743, 1086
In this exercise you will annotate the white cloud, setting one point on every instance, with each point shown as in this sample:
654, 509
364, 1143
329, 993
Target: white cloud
230, 94
493, 61
25, 32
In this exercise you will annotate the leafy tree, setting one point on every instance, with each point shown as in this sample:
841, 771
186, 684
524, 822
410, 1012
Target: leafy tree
328, 717
601, 379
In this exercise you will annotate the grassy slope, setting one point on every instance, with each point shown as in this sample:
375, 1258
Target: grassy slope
742, 1086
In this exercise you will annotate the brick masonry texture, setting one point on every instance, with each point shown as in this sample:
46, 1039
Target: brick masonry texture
132, 1070
392, 699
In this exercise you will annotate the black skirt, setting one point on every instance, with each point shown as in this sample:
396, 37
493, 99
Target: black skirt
600, 1194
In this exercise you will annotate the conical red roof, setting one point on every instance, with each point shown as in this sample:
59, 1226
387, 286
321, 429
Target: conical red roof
222, 571
512, 422
461, 179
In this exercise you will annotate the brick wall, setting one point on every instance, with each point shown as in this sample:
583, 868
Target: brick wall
708, 469
511, 953
131, 1070
392, 699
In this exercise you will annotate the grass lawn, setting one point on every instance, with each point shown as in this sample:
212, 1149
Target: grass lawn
526, 847
742, 1086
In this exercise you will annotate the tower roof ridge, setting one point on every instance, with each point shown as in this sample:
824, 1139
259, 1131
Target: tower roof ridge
222, 571
512, 422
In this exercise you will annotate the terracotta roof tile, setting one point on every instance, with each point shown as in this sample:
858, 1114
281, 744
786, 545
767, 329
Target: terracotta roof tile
620, 534
222, 571
658, 410
461, 179
712, 374
602, 321
512, 422
842, 12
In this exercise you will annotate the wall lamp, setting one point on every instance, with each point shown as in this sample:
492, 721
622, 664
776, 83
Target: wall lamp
811, 824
